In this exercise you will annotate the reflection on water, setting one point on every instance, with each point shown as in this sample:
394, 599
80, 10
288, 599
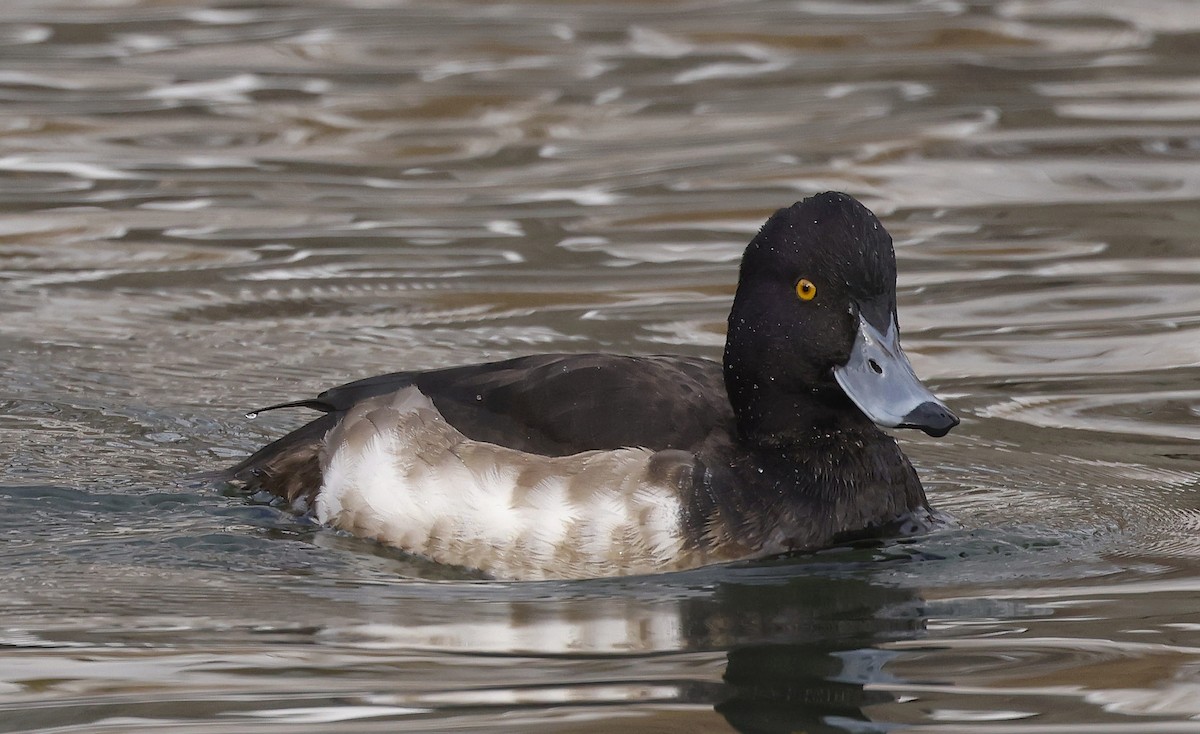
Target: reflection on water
205, 208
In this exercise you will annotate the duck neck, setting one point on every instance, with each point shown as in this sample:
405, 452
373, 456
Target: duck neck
814, 416
772, 413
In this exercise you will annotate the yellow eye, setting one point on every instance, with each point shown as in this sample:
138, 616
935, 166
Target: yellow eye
806, 289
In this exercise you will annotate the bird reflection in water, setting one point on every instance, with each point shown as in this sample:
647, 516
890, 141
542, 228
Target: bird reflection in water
793, 647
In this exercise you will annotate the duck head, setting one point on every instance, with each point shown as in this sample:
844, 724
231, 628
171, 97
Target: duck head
813, 327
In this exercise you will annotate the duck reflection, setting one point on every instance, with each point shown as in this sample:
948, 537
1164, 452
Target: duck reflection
801, 655
780, 649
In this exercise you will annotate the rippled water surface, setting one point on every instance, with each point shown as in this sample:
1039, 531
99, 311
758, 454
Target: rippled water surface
207, 207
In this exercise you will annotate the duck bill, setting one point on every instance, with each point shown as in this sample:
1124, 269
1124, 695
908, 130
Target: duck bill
880, 381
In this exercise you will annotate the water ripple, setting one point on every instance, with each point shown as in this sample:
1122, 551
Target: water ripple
214, 207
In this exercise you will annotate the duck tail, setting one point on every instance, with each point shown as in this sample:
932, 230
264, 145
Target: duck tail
289, 467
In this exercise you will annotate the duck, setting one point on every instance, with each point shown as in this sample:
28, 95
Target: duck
572, 466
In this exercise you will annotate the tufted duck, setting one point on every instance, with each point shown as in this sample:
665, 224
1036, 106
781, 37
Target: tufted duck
584, 465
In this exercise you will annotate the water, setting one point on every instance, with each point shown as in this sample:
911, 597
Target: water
206, 208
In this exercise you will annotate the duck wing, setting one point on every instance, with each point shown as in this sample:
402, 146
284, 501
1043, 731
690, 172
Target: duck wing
557, 405
551, 405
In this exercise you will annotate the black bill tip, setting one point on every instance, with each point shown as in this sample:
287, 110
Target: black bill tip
933, 418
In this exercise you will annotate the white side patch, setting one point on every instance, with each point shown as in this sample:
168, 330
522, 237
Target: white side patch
396, 471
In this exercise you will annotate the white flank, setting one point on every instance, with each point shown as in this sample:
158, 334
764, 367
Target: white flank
396, 471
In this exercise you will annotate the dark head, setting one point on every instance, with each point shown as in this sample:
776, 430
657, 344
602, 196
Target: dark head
813, 330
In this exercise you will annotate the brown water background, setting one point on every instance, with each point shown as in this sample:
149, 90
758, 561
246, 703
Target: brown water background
210, 206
